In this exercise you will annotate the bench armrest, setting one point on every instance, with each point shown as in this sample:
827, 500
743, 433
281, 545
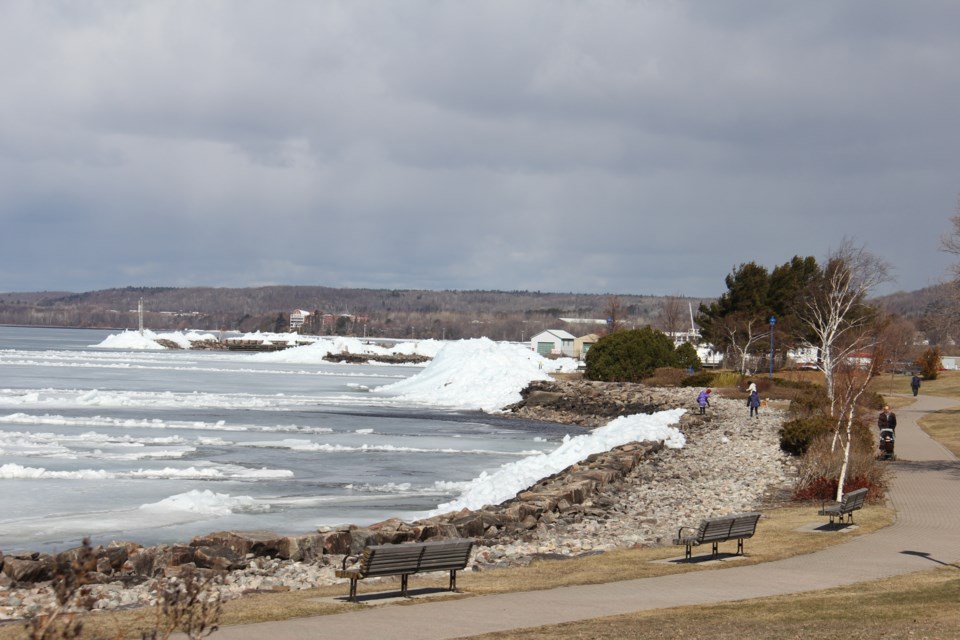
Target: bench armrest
680, 531
352, 559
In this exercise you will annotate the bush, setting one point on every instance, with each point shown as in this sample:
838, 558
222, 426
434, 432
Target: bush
796, 384
666, 377
930, 363
629, 356
687, 357
701, 379
798, 434
820, 471
729, 379
811, 401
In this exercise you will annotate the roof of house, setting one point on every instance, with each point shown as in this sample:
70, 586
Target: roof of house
557, 333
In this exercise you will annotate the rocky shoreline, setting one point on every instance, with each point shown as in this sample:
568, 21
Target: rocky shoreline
635, 495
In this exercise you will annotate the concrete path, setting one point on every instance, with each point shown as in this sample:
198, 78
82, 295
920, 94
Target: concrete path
925, 492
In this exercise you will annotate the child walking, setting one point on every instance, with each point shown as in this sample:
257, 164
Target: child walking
754, 403
704, 401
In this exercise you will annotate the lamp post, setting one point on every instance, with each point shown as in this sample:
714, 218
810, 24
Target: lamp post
773, 321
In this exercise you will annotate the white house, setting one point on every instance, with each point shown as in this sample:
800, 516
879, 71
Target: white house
553, 342
297, 318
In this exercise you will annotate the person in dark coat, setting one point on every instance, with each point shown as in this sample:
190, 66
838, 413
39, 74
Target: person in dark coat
887, 419
915, 384
754, 403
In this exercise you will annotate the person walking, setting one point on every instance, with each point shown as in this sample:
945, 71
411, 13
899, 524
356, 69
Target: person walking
915, 384
887, 419
754, 403
704, 401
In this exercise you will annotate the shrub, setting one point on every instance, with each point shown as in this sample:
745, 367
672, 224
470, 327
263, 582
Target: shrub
820, 471
666, 377
929, 363
726, 379
629, 356
796, 384
701, 379
798, 434
811, 401
687, 357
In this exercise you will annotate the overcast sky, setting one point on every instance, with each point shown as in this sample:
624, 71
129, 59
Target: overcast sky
611, 146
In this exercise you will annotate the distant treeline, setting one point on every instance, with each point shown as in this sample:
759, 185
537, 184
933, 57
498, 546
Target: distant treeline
391, 313
394, 313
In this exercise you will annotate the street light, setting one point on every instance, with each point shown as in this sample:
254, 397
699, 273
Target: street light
773, 321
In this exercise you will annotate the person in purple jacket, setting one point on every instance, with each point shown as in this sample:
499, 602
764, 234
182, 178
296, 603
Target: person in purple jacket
704, 400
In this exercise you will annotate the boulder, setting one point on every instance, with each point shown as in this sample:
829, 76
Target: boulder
336, 542
305, 548
257, 543
26, 570
218, 557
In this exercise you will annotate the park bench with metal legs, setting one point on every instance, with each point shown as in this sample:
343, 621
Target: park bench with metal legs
406, 559
716, 530
849, 503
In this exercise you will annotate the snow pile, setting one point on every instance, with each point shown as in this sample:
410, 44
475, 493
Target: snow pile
148, 340
513, 477
477, 374
206, 502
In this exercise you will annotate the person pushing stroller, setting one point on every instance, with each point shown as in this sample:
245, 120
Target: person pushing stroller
887, 424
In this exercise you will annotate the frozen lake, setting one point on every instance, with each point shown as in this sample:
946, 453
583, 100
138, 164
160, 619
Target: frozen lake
159, 446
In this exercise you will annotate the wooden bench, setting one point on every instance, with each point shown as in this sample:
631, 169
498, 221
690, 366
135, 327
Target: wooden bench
716, 530
848, 504
405, 559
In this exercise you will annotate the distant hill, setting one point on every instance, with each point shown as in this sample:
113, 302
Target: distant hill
382, 312
916, 304
513, 315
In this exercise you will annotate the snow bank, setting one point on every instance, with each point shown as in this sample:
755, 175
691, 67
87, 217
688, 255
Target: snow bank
513, 477
476, 374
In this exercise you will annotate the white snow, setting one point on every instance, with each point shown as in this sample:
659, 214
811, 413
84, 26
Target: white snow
513, 477
477, 374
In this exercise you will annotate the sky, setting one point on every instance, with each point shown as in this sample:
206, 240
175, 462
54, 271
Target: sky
617, 146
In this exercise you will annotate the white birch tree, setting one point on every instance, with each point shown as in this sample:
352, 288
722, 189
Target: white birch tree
833, 311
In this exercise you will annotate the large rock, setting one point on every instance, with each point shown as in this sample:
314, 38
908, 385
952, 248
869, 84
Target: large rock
257, 543
26, 570
336, 542
305, 548
218, 557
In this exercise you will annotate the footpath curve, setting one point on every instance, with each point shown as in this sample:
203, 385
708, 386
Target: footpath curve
925, 492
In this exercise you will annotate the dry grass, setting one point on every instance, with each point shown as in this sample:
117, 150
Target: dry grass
919, 605
944, 427
947, 385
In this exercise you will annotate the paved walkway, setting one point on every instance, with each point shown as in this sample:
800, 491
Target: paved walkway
926, 534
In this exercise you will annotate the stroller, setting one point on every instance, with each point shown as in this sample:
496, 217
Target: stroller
887, 438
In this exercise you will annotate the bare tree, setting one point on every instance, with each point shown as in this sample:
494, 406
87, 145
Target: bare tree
834, 311
615, 314
951, 241
743, 333
851, 382
672, 314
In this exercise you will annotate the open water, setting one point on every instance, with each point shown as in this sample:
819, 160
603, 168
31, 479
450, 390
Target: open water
159, 446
